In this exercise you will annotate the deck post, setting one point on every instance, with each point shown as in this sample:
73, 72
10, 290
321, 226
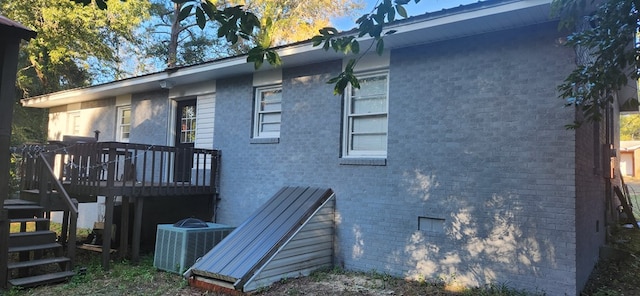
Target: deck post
65, 226
124, 228
137, 229
106, 232
4, 248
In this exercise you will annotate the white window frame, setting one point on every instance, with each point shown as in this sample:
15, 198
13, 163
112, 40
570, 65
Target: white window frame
349, 117
258, 112
74, 123
120, 125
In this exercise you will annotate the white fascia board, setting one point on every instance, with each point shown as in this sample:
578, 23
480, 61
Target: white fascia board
116, 88
293, 55
468, 15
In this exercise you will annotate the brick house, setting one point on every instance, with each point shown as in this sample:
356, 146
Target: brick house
629, 158
451, 162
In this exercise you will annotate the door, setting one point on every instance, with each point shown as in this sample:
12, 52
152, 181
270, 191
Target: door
185, 138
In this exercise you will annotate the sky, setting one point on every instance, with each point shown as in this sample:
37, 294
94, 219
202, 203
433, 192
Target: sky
413, 9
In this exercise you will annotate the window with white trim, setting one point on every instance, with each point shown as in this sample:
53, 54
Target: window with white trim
124, 123
268, 110
365, 117
74, 124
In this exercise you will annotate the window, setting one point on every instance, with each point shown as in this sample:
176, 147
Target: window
74, 124
124, 124
188, 124
267, 113
365, 117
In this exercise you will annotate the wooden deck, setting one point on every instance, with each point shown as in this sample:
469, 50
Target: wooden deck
127, 169
131, 171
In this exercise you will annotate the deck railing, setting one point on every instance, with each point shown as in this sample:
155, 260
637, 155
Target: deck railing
117, 169
113, 168
69, 226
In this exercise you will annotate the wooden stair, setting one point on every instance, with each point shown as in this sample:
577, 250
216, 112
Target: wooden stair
35, 257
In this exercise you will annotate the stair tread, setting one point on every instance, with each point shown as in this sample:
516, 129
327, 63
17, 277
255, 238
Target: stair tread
37, 191
31, 233
22, 207
31, 263
19, 220
13, 202
42, 279
34, 247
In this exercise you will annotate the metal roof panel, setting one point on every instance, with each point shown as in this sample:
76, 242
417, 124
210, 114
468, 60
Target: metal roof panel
251, 244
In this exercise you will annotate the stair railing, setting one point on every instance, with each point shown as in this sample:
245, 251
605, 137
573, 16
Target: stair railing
47, 172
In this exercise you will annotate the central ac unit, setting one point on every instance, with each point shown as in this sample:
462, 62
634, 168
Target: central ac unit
178, 248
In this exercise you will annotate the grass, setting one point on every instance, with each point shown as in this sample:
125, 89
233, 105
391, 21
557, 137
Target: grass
618, 275
611, 277
123, 278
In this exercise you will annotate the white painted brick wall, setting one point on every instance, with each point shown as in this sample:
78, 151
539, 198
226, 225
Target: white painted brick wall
476, 136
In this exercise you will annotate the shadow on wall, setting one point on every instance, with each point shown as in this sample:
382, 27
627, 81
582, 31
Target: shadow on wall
505, 237
485, 237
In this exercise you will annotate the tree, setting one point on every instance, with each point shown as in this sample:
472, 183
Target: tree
630, 127
287, 21
235, 22
74, 45
606, 41
177, 42
605, 37
172, 42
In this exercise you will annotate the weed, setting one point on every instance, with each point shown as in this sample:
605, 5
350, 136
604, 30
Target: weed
498, 290
604, 291
293, 292
14, 291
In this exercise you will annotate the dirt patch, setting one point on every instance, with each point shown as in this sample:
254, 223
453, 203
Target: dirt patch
615, 276
618, 274
332, 284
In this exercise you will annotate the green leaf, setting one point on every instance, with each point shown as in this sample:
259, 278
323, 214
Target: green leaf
223, 30
101, 4
256, 56
339, 87
233, 38
179, 1
380, 46
334, 44
355, 46
334, 79
326, 45
201, 19
273, 58
354, 81
247, 25
376, 31
317, 40
350, 65
184, 12
401, 11
365, 27
209, 9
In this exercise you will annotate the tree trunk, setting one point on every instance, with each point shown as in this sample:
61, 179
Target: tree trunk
172, 54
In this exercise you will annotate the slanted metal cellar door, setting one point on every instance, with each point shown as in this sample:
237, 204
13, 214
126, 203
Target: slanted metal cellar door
185, 138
